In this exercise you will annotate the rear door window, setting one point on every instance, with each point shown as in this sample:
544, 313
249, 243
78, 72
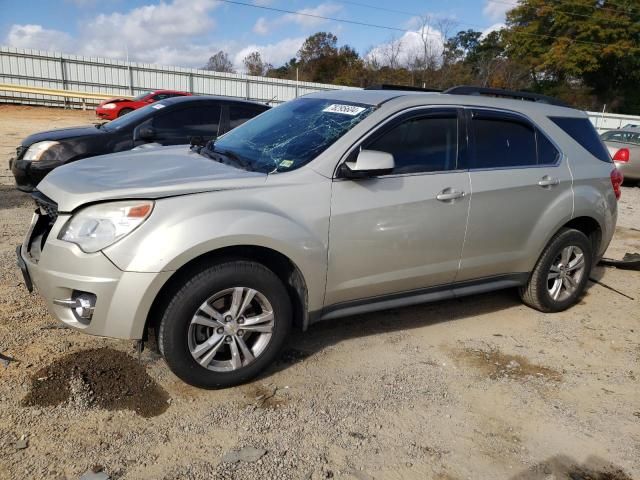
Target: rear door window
181, 124
423, 143
501, 140
583, 132
238, 114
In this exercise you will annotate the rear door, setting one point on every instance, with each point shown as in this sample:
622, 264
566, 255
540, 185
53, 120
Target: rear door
521, 185
403, 231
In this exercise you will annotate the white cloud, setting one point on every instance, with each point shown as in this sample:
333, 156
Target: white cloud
264, 26
492, 28
261, 26
39, 38
410, 46
273, 53
163, 33
323, 10
496, 11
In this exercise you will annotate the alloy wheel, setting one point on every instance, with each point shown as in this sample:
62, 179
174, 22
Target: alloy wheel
231, 329
566, 273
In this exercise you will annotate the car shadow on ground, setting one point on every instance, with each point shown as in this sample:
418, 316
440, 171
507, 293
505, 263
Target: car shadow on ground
324, 334
10, 197
561, 466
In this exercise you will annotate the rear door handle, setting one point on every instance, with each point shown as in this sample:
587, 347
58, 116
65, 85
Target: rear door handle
548, 181
449, 194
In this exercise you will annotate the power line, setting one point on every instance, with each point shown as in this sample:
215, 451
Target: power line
413, 14
386, 27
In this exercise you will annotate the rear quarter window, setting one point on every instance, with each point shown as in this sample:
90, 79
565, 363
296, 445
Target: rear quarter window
583, 132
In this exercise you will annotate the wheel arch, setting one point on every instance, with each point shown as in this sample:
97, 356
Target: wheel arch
590, 227
286, 270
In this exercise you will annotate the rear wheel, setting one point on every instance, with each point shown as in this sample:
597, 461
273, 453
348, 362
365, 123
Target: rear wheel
561, 274
225, 325
124, 111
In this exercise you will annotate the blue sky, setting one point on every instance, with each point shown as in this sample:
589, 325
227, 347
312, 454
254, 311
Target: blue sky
187, 32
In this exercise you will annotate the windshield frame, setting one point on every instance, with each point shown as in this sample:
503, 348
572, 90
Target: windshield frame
292, 134
138, 98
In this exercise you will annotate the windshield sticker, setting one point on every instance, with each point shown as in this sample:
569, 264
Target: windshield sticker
344, 109
286, 163
157, 106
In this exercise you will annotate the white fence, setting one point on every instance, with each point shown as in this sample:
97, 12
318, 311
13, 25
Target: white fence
34, 68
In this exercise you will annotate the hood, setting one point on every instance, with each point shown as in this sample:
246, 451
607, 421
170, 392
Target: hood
62, 134
146, 173
115, 100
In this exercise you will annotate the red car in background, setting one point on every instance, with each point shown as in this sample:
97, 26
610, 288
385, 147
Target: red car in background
117, 107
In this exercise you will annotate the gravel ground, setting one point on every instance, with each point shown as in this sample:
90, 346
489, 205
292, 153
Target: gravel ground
476, 388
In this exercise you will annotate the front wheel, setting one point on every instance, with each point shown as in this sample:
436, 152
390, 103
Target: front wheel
124, 111
561, 274
225, 325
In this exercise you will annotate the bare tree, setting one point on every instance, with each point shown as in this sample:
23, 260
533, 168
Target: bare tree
220, 63
255, 65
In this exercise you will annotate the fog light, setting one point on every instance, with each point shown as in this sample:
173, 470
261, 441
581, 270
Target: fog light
85, 303
82, 304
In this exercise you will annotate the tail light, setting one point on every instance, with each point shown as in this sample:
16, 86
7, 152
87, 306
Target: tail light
621, 155
616, 181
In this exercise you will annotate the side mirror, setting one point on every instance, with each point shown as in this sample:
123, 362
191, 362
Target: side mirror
369, 163
146, 133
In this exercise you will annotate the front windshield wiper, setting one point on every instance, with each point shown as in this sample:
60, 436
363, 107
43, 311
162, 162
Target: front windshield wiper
223, 156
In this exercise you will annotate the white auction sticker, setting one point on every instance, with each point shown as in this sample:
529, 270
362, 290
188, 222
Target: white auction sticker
157, 106
344, 109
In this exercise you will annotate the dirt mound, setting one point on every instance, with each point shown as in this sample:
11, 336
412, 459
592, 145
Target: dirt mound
98, 378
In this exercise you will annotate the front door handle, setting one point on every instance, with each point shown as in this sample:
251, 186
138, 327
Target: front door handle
548, 181
449, 194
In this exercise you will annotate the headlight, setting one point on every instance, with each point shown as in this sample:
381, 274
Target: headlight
98, 226
35, 151
109, 106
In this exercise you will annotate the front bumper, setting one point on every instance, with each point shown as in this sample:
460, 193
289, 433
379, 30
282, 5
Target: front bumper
106, 114
28, 174
59, 270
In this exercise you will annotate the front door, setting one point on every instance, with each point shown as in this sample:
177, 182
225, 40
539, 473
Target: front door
402, 231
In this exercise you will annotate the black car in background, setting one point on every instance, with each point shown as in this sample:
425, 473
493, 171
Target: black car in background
173, 121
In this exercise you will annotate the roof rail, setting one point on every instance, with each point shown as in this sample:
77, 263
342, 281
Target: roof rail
498, 92
406, 88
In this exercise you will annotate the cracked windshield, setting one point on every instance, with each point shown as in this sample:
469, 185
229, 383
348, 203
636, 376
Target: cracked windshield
290, 135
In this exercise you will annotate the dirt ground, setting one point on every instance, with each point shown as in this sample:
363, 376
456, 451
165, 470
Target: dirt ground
476, 388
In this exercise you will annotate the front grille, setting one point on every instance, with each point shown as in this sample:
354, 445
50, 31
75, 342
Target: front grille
47, 215
46, 206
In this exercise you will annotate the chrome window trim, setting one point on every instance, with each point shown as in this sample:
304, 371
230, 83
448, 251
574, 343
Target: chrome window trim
392, 118
557, 163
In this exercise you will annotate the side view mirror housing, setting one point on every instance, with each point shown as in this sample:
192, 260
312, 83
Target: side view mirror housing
146, 133
369, 163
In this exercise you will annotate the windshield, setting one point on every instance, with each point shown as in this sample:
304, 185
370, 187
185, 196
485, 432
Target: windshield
141, 96
132, 118
624, 137
292, 134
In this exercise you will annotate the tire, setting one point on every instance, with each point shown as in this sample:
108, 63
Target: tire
124, 111
542, 291
219, 331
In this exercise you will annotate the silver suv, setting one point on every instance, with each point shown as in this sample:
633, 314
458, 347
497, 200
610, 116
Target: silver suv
333, 204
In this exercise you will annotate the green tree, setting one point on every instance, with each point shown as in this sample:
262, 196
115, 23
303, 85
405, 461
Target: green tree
568, 44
